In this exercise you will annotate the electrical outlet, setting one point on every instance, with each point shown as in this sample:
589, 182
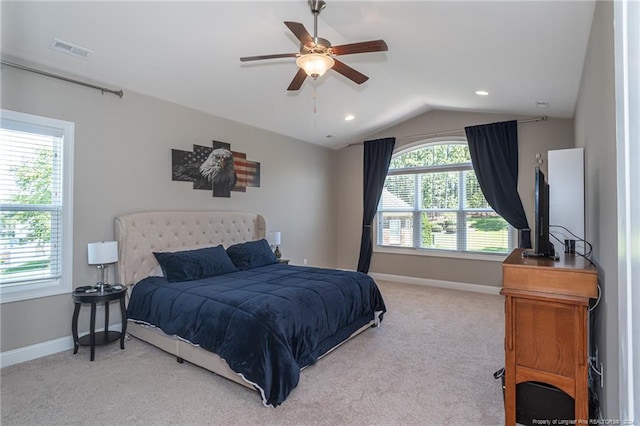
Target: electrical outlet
304, 261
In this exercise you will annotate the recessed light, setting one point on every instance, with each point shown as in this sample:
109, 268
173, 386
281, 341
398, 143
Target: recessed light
542, 104
482, 93
349, 117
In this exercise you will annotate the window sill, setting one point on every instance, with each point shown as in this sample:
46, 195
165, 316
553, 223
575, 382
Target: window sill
33, 291
499, 257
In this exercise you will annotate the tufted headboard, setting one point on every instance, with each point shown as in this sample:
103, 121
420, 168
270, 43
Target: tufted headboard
140, 234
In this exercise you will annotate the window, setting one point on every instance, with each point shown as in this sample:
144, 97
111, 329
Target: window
432, 201
35, 206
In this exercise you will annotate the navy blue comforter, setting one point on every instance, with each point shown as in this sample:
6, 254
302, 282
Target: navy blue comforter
266, 322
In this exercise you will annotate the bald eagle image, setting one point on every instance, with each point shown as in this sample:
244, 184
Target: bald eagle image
218, 169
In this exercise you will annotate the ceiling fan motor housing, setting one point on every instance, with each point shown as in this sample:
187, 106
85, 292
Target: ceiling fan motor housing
320, 45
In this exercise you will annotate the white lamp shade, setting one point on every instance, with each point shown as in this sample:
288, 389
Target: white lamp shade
315, 64
274, 238
102, 252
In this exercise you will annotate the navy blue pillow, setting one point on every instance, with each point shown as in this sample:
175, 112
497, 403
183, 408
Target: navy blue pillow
196, 264
251, 254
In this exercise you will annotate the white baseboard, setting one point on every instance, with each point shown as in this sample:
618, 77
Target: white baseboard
452, 285
39, 350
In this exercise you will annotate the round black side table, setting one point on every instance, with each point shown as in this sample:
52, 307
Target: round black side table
105, 296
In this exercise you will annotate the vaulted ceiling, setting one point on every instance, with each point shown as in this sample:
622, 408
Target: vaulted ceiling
440, 54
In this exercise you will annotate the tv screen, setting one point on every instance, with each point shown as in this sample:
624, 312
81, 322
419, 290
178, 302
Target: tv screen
542, 247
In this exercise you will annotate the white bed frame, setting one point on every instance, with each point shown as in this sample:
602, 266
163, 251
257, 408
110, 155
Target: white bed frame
140, 234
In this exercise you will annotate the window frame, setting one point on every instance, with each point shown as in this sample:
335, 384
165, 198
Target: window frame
49, 287
423, 251
627, 82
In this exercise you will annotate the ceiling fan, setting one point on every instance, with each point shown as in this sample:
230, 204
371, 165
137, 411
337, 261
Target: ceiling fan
317, 55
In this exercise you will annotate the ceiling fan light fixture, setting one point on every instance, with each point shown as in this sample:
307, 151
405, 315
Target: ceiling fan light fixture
315, 64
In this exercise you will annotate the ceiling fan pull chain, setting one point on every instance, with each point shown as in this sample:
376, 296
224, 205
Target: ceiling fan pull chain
313, 95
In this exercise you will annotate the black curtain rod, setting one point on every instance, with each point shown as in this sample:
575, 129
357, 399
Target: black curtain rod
118, 93
449, 132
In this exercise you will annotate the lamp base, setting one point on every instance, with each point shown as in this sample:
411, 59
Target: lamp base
277, 253
102, 286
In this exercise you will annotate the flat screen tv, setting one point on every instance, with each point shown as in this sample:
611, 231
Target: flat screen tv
542, 247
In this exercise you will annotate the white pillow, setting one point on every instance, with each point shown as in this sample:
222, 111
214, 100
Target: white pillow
156, 271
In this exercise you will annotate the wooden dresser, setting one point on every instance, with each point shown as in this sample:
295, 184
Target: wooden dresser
546, 334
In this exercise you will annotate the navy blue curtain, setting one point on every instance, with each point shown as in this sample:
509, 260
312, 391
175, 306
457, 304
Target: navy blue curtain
494, 154
377, 156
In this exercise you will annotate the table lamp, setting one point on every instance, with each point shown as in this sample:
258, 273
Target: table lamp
101, 254
274, 241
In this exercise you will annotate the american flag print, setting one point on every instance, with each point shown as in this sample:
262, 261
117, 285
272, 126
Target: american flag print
185, 166
248, 172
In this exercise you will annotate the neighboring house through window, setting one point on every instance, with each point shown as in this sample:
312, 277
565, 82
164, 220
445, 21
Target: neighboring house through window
432, 202
36, 165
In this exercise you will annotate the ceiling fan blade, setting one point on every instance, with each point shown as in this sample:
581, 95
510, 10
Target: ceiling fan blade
349, 72
257, 58
297, 81
361, 47
300, 32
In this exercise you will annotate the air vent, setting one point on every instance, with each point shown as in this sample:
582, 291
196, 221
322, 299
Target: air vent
70, 48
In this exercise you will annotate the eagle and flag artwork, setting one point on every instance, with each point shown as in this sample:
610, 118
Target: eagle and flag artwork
216, 169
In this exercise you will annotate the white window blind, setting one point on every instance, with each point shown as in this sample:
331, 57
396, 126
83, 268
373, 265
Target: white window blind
32, 202
432, 200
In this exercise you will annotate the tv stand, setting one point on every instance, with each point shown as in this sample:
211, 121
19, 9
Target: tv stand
546, 335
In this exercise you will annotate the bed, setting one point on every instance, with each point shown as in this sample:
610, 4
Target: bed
242, 315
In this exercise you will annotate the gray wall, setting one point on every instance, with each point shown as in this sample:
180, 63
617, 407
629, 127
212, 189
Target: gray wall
533, 138
595, 131
122, 165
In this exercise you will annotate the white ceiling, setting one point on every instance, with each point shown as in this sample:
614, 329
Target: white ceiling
439, 54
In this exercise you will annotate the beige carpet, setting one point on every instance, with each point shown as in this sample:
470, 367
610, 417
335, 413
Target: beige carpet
430, 363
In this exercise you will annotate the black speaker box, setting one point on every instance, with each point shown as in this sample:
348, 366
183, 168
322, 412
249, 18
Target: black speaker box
539, 401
